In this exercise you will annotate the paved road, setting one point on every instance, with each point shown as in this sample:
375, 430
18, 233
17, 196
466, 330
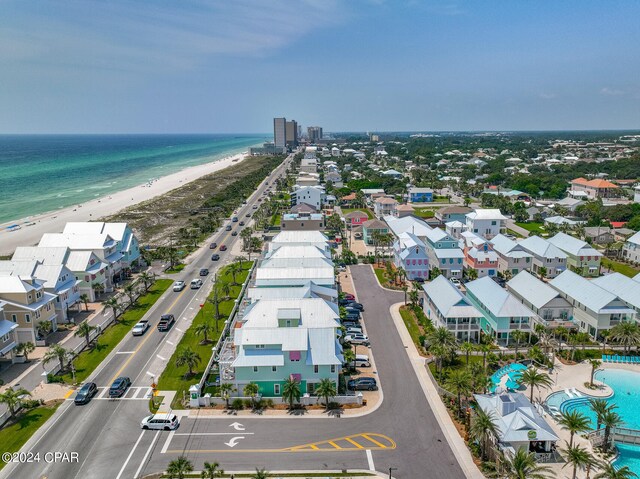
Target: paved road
105, 431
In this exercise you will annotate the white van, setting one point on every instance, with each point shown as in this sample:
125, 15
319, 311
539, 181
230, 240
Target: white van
361, 361
196, 283
160, 421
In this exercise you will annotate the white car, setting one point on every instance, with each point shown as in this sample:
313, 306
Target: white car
357, 338
354, 330
140, 328
456, 282
196, 283
178, 286
164, 422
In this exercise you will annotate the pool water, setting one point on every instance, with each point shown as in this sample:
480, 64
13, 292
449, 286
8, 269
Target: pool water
512, 370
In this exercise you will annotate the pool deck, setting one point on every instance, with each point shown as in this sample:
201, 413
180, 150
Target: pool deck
569, 377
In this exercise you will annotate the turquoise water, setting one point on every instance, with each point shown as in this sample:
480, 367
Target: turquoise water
512, 370
40, 173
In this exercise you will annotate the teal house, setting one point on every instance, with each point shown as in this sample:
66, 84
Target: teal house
281, 339
369, 228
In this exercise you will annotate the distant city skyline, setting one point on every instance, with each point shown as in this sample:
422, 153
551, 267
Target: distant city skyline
360, 65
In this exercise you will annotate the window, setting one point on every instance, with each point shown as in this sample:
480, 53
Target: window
274, 369
259, 346
255, 369
276, 389
316, 369
444, 261
333, 368
493, 223
14, 318
27, 318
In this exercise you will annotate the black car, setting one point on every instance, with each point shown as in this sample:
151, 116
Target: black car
228, 228
166, 321
248, 215
351, 310
355, 305
213, 245
235, 233
351, 324
85, 393
215, 257
204, 271
119, 387
352, 316
241, 223
344, 302
363, 384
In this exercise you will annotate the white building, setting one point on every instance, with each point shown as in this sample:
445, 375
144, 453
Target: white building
311, 195
486, 222
631, 248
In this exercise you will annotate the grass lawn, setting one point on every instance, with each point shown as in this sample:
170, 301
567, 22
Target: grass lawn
382, 275
275, 219
14, 436
173, 377
364, 210
622, 268
176, 269
88, 360
412, 326
424, 212
514, 233
538, 227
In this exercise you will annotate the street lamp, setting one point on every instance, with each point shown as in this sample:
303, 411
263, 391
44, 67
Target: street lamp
392, 469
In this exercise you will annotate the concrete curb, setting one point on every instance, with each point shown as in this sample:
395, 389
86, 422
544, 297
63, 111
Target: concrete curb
460, 450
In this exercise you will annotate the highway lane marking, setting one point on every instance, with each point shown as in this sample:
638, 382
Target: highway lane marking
169, 342
167, 442
372, 466
125, 352
179, 330
160, 357
101, 395
211, 433
146, 455
142, 343
130, 454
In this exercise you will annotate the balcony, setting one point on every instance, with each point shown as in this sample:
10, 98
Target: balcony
522, 326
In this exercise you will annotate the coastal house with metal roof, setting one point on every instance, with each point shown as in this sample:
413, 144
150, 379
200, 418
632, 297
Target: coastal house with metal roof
127, 241
407, 224
444, 253
287, 339
447, 307
279, 272
371, 227
625, 288
582, 258
420, 195
27, 304
486, 222
545, 255
410, 254
8, 340
479, 254
512, 256
384, 206
453, 213
502, 312
519, 424
631, 248
551, 308
300, 238
594, 308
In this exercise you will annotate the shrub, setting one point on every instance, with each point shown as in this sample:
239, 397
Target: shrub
32, 403
52, 378
268, 403
237, 404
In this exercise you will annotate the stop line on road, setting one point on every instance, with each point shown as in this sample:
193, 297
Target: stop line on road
132, 394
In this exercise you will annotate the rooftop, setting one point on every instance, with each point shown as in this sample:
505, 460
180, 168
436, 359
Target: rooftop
535, 291
449, 300
498, 301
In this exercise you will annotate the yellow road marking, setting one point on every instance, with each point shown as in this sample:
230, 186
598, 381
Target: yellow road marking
313, 446
348, 439
126, 363
68, 394
334, 444
369, 438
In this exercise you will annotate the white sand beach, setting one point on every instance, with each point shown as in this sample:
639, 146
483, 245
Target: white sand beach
32, 228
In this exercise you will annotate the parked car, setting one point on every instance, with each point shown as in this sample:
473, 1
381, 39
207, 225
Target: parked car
354, 330
213, 245
248, 215
164, 422
361, 361
228, 228
351, 310
166, 321
119, 387
255, 207
349, 296
140, 328
455, 282
357, 236
357, 338
355, 305
178, 286
196, 283
350, 324
85, 393
215, 257
223, 248
418, 280
366, 384
352, 317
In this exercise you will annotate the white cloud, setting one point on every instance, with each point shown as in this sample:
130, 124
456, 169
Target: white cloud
611, 91
547, 96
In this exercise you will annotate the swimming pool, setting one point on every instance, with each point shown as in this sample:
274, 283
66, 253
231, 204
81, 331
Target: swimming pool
513, 371
626, 394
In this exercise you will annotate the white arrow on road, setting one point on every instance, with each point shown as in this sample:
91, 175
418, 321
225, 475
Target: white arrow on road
237, 426
234, 441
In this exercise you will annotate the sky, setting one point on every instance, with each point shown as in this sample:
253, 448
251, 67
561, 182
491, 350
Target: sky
221, 66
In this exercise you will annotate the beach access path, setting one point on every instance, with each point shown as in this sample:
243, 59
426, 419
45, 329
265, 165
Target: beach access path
54, 221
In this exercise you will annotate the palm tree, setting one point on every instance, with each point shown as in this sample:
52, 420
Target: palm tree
574, 422
600, 407
251, 390
595, 364
626, 333
291, 391
485, 348
414, 298
518, 336
260, 474
578, 457
85, 330
609, 471
235, 269
12, 398
44, 328
178, 468
24, 349
146, 279
211, 470
326, 389
130, 291
523, 465
55, 352
459, 383
85, 300
203, 329
225, 392
113, 304
483, 426
349, 357
542, 271
471, 274
188, 357
532, 378
610, 419
225, 287
467, 348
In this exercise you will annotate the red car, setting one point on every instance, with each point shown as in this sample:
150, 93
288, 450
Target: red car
223, 248
349, 297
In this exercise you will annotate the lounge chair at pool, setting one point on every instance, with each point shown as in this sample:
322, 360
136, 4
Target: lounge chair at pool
568, 393
576, 393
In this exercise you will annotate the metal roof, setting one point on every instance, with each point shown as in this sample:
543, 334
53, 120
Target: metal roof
498, 301
536, 292
622, 286
542, 248
313, 313
407, 224
586, 292
449, 300
573, 246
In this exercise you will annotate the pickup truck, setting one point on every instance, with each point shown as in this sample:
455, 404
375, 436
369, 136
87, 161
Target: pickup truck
140, 328
166, 321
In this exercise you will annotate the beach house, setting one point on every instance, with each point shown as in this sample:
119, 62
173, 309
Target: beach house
479, 255
300, 238
420, 195
594, 308
512, 256
582, 258
486, 222
409, 253
8, 340
384, 206
444, 253
356, 218
631, 248
302, 221
447, 307
625, 288
547, 257
453, 213
551, 308
502, 312
592, 189
371, 227
311, 195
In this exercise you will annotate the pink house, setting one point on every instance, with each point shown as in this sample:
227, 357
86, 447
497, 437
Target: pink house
356, 218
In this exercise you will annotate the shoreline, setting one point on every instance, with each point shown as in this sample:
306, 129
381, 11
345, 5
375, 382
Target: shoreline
33, 227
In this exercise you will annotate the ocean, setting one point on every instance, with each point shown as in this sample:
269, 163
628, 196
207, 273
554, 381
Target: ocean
41, 173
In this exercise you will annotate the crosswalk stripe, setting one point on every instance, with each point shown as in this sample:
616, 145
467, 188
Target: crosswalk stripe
348, 439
